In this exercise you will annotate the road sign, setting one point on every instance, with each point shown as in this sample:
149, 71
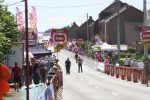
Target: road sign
59, 38
145, 36
144, 28
59, 35
59, 47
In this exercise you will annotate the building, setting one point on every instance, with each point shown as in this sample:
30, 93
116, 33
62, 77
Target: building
82, 30
129, 18
72, 31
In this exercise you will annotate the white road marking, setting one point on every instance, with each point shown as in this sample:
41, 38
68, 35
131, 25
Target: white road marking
114, 93
90, 83
97, 87
81, 79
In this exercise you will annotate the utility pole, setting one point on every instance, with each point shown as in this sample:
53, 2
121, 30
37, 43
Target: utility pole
145, 23
27, 60
88, 31
118, 27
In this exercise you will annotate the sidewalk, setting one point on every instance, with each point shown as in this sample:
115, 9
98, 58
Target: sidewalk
12, 94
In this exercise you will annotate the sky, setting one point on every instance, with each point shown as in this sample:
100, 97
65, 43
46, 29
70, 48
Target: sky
61, 13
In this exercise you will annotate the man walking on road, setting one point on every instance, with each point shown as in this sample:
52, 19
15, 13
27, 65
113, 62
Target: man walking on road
80, 61
67, 65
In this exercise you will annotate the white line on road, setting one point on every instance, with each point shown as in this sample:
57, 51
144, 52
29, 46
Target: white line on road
81, 79
114, 93
97, 87
90, 83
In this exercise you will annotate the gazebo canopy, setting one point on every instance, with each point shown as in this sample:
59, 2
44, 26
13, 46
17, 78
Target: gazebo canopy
37, 50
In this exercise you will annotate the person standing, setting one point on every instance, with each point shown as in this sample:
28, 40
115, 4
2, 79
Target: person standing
133, 63
67, 65
36, 74
76, 57
43, 72
80, 61
16, 74
126, 61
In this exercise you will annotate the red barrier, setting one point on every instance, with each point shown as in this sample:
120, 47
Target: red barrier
112, 70
129, 72
117, 71
143, 80
108, 69
135, 75
123, 72
105, 69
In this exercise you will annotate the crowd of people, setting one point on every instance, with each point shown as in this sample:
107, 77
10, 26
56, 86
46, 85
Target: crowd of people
107, 57
40, 70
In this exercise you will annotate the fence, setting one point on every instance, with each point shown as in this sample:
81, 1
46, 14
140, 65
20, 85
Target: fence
134, 74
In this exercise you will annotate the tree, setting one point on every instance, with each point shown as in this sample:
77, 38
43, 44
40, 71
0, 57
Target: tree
8, 30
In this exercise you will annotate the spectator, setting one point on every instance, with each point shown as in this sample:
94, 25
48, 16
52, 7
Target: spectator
16, 74
107, 60
43, 72
127, 61
140, 64
133, 63
36, 74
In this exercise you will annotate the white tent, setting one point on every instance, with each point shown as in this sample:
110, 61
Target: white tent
30, 55
104, 47
107, 47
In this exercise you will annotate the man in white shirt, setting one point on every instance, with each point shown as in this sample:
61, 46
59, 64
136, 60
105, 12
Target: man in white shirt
126, 61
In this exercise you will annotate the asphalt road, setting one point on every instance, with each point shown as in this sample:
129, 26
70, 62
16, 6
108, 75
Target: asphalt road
95, 85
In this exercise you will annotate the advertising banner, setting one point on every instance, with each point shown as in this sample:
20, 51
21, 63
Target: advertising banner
19, 19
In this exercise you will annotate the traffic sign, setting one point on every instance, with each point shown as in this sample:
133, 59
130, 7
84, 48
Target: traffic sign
59, 35
145, 36
59, 38
144, 28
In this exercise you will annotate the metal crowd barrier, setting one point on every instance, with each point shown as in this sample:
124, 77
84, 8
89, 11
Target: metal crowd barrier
134, 74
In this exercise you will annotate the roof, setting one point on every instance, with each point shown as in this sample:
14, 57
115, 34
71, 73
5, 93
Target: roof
38, 50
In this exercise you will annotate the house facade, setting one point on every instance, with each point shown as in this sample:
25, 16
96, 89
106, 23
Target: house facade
129, 18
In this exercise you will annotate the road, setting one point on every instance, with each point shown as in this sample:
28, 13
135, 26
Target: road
95, 85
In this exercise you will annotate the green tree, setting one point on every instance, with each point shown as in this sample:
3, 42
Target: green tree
8, 30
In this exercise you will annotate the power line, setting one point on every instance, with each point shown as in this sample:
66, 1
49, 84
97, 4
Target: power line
15, 3
60, 7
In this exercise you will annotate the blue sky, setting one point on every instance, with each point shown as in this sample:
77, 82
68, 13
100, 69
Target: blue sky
60, 13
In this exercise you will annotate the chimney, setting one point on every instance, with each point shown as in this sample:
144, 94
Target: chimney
90, 17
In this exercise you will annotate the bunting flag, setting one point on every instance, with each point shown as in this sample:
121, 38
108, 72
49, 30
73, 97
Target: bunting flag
33, 21
19, 19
